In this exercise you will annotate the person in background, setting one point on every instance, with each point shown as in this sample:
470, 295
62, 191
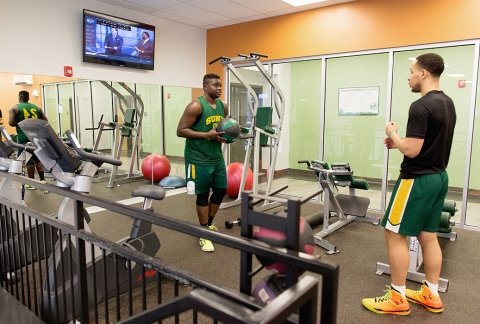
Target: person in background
25, 110
1, 118
204, 163
113, 42
417, 199
145, 47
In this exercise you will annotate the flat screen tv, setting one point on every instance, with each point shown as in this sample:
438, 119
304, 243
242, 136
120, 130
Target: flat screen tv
117, 41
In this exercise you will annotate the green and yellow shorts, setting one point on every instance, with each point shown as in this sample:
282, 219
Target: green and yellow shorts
416, 204
206, 176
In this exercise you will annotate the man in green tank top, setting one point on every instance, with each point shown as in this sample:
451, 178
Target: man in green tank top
204, 163
25, 110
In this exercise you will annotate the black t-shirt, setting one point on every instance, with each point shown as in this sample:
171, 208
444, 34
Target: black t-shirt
432, 117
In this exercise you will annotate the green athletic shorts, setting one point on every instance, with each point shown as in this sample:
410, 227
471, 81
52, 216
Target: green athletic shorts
416, 204
207, 176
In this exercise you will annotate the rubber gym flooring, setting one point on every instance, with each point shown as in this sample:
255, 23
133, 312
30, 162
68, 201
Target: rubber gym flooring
361, 245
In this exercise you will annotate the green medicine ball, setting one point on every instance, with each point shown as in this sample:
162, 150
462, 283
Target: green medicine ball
230, 129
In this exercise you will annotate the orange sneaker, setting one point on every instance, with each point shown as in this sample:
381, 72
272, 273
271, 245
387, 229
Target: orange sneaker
424, 297
391, 303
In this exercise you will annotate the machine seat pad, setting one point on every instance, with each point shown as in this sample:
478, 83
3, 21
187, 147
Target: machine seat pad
149, 191
353, 205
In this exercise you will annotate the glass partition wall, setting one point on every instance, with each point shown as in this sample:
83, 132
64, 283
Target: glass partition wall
355, 112
240, 110
471, 189
91, 103
459, 61
302, 132
175, 99
337, 107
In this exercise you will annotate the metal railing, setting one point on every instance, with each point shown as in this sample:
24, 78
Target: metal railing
123, 284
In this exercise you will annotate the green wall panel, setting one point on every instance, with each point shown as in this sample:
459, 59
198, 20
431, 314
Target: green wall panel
304, 124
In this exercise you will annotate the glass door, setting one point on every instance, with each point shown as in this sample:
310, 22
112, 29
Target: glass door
355, 108
84, 113
66, 107
102, 111
50, 105
239, 108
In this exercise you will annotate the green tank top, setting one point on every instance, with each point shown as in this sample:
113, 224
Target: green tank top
202, 151
26, 110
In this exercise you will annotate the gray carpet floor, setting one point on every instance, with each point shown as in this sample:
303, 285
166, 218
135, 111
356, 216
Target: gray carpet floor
361, 245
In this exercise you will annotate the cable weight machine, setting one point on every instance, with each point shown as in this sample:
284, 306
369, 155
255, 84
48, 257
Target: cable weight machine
261, 131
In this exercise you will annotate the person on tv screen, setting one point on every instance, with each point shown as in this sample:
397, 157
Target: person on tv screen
113, 43
144, 47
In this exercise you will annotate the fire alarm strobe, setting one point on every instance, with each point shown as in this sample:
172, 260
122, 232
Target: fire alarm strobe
67, 71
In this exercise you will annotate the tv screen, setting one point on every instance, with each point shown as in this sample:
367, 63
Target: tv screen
117, 41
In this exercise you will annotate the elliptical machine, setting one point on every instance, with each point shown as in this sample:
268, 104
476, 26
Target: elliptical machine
58, 290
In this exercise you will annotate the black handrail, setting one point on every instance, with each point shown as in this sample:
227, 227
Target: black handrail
328, 270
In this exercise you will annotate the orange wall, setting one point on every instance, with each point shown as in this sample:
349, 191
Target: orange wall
9, 93
354, 26
197, 92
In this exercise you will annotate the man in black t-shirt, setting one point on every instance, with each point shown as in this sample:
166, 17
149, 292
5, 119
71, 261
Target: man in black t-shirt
417, 199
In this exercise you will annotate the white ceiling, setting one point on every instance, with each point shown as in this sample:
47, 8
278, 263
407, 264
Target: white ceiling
208, 14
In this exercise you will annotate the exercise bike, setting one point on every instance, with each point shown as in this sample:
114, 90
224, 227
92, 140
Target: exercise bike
19, 239
54, 155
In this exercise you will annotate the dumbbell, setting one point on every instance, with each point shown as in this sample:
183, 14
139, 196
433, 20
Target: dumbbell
450, 206
446, 223
229, 224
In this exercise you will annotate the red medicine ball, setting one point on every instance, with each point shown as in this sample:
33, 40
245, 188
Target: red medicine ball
155, 167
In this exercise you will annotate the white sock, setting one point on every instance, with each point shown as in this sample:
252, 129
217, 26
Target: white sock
400, 289
433, 288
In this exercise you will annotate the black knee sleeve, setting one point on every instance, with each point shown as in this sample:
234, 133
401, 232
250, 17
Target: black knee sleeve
31, 161
217, 195
202, 199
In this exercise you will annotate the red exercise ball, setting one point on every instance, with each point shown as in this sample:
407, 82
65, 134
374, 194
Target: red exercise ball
234, 177
155, 167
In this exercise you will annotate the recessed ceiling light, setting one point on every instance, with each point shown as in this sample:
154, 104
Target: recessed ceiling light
298, 3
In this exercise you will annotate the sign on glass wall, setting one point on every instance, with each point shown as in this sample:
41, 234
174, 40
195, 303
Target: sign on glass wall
358, 101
